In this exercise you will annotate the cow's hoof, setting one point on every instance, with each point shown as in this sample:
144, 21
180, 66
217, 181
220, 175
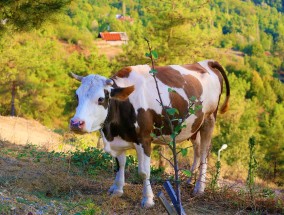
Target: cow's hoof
197, 192
114, 192
199, 188
147, 202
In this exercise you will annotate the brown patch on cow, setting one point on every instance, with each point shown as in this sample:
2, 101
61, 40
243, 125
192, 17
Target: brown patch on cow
197, 122
178, 102
146, 145
193, 137
105, 102
120, 121
170, 76
147, 119
121, 93
195, 67
192, 86
124, 73
145, 122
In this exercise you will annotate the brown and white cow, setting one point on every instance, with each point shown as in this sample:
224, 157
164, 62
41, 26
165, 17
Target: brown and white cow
125, 109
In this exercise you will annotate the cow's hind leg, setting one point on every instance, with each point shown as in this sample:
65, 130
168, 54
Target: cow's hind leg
206, 131
117, 188
196, 156
144, 162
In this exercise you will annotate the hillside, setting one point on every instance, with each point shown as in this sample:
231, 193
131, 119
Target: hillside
36, 180
37, 51
20, 131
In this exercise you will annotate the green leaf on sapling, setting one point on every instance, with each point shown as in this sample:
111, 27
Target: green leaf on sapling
198, 107
153, 71
154, 54
186, 172
191, 111
184, 152
193, 98
172, 111
171, 90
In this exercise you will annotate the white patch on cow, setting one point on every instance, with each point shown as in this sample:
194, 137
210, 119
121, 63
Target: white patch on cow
201, 181
144, 163
210, 85
88, 109
117, 146
145, 95
140, 157
117, 188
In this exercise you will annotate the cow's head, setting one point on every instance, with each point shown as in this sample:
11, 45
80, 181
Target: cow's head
93, 99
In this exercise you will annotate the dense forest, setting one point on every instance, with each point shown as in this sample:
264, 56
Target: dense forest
246, 37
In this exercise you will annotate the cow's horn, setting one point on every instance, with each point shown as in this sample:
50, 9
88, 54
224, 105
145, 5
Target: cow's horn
109, 82
77, 77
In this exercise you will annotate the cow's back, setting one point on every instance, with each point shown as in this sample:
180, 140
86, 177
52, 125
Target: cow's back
186, 81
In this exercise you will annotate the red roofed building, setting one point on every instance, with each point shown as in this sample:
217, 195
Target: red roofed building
114, 38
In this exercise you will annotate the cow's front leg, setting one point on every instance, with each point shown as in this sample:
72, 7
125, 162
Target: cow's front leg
117, 188
144, 162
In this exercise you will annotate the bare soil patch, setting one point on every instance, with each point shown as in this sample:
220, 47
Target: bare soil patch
108, 50
22, 131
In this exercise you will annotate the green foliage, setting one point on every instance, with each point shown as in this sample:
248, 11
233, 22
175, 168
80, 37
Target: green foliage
215, 177
24, 15
187, 173
172, 111
92, 158
91, 209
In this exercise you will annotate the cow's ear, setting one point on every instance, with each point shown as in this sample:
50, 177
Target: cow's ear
121, 93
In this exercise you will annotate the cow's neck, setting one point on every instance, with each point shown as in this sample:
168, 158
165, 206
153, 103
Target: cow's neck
120, 121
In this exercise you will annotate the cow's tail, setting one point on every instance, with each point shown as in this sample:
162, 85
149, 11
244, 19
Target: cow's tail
225, 105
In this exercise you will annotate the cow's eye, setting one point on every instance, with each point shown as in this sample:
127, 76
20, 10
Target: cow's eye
101, 100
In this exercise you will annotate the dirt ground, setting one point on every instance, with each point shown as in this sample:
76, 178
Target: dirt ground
109, 51
21, 131
33, 182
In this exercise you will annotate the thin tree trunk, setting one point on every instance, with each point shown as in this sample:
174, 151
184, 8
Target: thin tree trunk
162, 161
13, 92
123, 8
275, 169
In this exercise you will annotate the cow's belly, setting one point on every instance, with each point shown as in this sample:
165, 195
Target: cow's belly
117, 146
185, 133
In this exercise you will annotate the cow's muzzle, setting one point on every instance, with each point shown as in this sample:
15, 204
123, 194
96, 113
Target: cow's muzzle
77, 125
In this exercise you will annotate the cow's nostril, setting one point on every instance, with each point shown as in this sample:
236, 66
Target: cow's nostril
81, 124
